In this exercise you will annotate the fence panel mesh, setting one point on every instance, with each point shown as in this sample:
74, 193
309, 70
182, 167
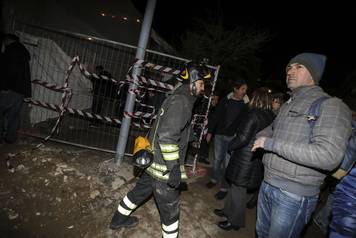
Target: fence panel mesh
96, 103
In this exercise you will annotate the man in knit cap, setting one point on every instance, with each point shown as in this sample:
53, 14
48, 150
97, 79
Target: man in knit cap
297, 155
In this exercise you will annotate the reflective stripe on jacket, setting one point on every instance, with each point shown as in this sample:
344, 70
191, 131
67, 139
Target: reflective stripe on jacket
158, 171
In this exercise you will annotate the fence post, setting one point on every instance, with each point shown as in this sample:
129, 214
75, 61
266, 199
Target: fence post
130, 102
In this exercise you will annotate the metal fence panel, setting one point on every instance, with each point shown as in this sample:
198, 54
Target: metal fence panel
52, 53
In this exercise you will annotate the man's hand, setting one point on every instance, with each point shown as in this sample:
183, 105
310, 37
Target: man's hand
259, 143
174, 176
339, 174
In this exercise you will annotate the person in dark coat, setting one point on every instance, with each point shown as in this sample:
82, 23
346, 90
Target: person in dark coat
222, 125
277, 102
15, 85
245, 169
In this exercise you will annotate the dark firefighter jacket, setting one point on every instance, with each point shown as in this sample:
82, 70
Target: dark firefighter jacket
170, 133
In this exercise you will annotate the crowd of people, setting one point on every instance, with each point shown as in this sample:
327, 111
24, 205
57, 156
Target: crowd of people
268, 151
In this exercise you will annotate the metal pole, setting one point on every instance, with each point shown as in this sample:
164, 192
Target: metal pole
130, 101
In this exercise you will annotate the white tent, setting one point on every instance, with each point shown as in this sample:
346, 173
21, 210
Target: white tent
49, 64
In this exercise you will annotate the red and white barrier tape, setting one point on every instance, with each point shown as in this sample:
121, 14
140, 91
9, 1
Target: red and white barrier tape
51, 86
93, 116
157, 67
140, 125
139, 114
144, 80
87, 74
66, 96
67, 93
73, 111
43, 104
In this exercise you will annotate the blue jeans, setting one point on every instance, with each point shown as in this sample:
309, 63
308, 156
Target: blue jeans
221, 160
281, 214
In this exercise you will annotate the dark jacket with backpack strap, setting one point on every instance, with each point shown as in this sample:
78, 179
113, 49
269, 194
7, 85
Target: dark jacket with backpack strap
170, 133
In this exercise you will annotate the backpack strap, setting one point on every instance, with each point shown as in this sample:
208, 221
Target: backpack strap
314, 114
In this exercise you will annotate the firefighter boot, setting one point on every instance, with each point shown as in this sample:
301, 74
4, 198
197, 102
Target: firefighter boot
118, 221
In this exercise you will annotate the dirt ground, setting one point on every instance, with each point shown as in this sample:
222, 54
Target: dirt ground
64, 191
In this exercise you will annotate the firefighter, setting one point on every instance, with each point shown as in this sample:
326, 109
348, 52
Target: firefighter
168, 140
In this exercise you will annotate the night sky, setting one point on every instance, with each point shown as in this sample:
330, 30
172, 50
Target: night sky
296, 27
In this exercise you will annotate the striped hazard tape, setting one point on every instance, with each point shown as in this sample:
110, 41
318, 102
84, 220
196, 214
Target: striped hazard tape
87, 74
93, 116
144, 80
66, 96
140, 125
66, 92
43, 104
51, 86
72, 111
139, 114
81, 113
157, 67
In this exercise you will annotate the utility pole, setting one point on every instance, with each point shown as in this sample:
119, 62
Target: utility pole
136, 71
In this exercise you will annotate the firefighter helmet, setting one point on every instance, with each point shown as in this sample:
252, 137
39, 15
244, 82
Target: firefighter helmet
194, 71
142, 154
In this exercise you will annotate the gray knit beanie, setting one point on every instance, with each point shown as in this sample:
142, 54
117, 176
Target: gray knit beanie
315, 63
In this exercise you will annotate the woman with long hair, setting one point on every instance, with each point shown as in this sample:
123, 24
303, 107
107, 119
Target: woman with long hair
245, 169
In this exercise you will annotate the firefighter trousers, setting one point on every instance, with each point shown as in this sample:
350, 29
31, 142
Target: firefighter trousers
166, 198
